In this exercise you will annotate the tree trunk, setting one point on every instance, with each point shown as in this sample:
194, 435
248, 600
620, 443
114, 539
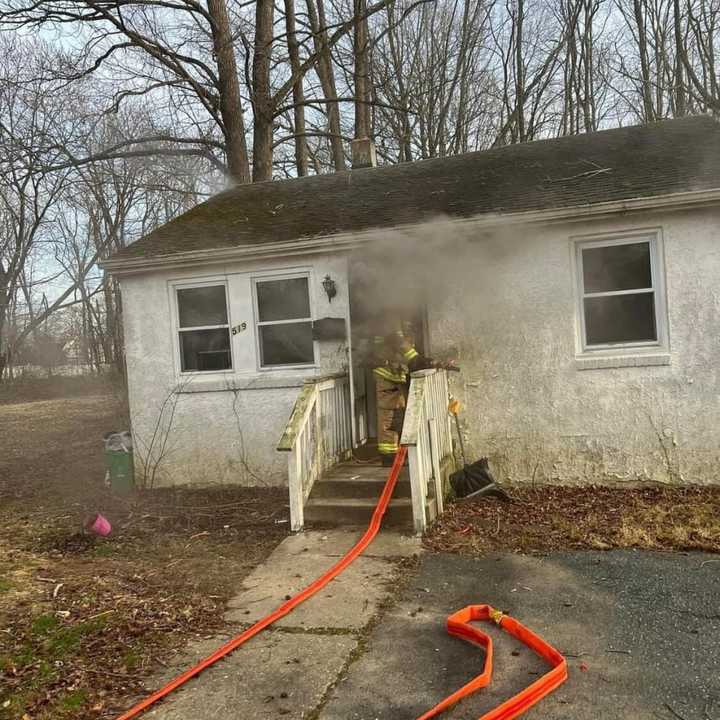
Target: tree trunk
679, 89
520, 72
404, 135
4, 279
92, 327
589, 110
646, 85
231, 109
360, 51
262, 99
326, 75
301, 156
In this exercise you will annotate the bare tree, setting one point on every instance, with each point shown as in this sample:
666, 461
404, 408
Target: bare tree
155, 103
586, 64
27, 192
228, 92
263, 104
433, 80
697, 48
361, 70
298, 93
183, 54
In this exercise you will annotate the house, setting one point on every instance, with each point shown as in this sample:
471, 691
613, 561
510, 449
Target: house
576, 281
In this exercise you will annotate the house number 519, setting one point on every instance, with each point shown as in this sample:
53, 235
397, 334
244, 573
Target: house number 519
239, 328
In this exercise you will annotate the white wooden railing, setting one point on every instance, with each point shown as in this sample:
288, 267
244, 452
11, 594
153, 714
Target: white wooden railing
317, 436
427, 435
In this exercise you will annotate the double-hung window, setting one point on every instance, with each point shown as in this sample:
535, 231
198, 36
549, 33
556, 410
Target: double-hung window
203, 328
284, 321
620, 293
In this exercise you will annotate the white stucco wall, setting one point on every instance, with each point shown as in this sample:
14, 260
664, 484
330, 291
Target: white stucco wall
505, 301
509, 309
225, 426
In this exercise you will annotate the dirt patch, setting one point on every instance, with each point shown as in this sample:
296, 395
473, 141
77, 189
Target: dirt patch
85, 620
544, 519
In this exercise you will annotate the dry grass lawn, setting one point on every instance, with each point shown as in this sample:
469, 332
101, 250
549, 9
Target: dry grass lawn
83, 620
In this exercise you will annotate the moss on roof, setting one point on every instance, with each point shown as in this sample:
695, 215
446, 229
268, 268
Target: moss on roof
633, 162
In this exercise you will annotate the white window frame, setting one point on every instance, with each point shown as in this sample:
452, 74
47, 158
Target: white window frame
657, 275
260, 278
189, 285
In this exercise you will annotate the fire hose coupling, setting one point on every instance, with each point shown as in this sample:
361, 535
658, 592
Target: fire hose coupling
496, 615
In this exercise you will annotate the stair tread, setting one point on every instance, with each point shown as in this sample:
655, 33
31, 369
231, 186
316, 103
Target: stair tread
351, 511
357, 502
376, 474
362, 481
363, 502
359, 468
356, 488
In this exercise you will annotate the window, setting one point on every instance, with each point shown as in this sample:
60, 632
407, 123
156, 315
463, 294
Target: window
284, 322
203, 328
620, 299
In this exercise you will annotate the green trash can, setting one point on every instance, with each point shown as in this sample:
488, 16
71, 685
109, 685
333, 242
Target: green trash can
119, 462
120, 466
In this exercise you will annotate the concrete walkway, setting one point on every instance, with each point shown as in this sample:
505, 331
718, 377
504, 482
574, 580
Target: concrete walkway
289, 670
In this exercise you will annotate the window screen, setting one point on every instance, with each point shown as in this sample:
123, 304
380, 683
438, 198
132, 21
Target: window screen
619, 301
203, 329
284, 322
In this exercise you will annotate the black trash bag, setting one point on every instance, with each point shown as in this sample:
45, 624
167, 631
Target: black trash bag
474, 478
471, 478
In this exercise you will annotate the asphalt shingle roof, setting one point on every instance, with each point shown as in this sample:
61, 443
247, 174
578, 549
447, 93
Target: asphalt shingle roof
633, 162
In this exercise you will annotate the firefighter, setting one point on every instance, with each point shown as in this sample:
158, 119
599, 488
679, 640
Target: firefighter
415, 360
390, 377
395, 359
411, 357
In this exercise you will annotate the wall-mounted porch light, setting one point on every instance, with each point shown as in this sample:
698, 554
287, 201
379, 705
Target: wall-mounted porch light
329, 287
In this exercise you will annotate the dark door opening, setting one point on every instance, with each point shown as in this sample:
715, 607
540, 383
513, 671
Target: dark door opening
371, 316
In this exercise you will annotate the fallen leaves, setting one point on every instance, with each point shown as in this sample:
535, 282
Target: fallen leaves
550, 518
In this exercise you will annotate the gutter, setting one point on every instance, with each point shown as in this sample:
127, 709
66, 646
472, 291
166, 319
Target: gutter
338, 242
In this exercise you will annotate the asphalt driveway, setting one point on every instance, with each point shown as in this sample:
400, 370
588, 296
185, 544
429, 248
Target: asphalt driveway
641, 631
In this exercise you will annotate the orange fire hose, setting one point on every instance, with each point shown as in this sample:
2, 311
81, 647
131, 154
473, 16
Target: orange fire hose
458, 625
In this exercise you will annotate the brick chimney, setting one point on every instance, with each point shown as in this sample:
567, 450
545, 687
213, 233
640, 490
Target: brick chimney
363, 153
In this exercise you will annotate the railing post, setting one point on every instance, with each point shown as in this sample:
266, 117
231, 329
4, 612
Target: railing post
417, 490
435, 452
317, 435
448, 423
296, 492
427, 436
321, 445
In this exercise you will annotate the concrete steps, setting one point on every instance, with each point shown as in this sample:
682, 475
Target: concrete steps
352, 481
348, 494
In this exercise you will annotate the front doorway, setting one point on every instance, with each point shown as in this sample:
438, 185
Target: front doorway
370, 317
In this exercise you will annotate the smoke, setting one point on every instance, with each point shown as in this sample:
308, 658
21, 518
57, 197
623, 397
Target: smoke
399, 273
